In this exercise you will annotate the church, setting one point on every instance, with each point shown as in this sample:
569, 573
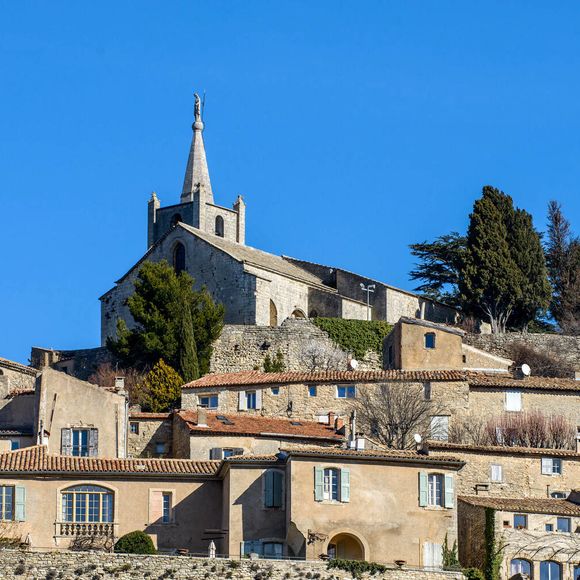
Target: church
208, 241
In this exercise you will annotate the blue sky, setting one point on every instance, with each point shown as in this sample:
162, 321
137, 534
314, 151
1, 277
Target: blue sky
351, 128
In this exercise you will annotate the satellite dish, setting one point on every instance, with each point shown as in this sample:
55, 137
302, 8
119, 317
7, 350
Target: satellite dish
353, 364
526, 370
417, 438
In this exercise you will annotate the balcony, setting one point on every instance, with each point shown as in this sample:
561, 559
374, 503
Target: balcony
85, 530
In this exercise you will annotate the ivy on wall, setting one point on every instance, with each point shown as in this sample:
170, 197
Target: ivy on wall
493, 549
355, 336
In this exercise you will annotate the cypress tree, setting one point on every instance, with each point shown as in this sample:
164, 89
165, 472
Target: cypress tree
188, 365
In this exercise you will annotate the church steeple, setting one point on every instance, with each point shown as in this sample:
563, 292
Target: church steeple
197, 174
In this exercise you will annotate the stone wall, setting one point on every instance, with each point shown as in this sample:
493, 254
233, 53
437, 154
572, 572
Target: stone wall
151, 432
19, 565
565, 347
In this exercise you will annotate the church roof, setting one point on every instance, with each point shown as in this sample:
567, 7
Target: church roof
254, 257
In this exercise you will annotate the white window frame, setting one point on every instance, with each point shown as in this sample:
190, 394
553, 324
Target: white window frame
79, 447
3, 503
496, 473
251, 396
331, 483
549, 464
513, 401
348, 390
209, 397
166, 507
559, 519
440, 427
435, 490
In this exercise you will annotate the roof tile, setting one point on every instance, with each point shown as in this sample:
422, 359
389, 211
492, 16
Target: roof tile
527, 505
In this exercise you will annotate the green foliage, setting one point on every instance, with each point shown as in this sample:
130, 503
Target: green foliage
171, 317
161, 389
136, 542
473, 574
439, 267
355, 336
493, 551
357, 567
450, 559
274, 364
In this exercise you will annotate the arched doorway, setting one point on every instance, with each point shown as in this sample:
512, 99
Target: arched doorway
345, 546
219, 226
298, 314
273, 314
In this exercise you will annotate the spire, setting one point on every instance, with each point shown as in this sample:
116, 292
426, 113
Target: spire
196, 173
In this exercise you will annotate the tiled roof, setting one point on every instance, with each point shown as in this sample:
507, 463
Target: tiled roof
538, 383
243, 424
15, 366
528, 505
17, 392
494, 450
144, 415
244, 378
37, 460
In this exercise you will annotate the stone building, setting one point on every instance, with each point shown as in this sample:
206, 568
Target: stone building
257, 288
539, 538
302, 503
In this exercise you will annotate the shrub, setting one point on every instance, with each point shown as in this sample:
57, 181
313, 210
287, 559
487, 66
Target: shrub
544, 363
136, 542
473, 574
357, 567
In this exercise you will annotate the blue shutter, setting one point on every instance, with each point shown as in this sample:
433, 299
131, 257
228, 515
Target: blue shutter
269, 489
423, 489
449, 493
318, 483
20, 504
345, 485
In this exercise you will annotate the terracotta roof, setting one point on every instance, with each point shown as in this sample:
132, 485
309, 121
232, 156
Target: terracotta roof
143, 415
37, 460
528, 505
17, 392
15, 366
244, 378
244, 424
494, 450
541, 383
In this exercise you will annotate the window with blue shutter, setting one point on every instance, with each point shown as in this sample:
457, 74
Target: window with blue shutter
273, 488
19, 503
423, 489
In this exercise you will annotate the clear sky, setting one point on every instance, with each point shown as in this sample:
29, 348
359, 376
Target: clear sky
351, 128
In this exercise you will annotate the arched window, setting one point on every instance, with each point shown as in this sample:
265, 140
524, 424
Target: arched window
273, 488
219, 226
298, 314
87, 504
429, 340
273, 314
550, 570
176, 218
179, 258
519, 566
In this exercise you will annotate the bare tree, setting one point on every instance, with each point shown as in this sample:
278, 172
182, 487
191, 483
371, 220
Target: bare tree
393, 412
105, 375
318, 356
544, 363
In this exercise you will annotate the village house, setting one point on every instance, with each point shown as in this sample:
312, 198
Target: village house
303, 503
535, 538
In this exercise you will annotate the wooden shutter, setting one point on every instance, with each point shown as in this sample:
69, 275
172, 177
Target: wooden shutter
258, 398
20, 503
278, 478
423, 489
216, 453
242, 403
93, 442
318, 483
155, 506
546, 466
449, 492
345, 485
66, 441
269, 488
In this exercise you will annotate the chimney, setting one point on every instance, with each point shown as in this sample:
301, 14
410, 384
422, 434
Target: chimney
338, 424
331, 418
201, 417
120, 384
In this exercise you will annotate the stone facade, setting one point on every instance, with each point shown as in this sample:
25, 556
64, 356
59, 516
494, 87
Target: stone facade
15, 377
150, 435
24, 565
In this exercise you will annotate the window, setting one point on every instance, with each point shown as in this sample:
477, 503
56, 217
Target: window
576, 573
496, 475
520, 521
273, 488
312, 390
435, 490
551, 466
14, 445
549, 527
166, 507
179, 258
432, 555
513, 400
79, 442
87, 504
391, 357
208, 401
559, 495
332, 484
429, 340
222, 453
159, 447
250, 399
564, 525
219, 226
550, 571
134, 428
6, 503
346, 392
275, 391
519, 566
440, 427
272, 550
427, 391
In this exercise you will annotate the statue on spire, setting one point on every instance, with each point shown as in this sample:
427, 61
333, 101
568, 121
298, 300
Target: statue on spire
197, 107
